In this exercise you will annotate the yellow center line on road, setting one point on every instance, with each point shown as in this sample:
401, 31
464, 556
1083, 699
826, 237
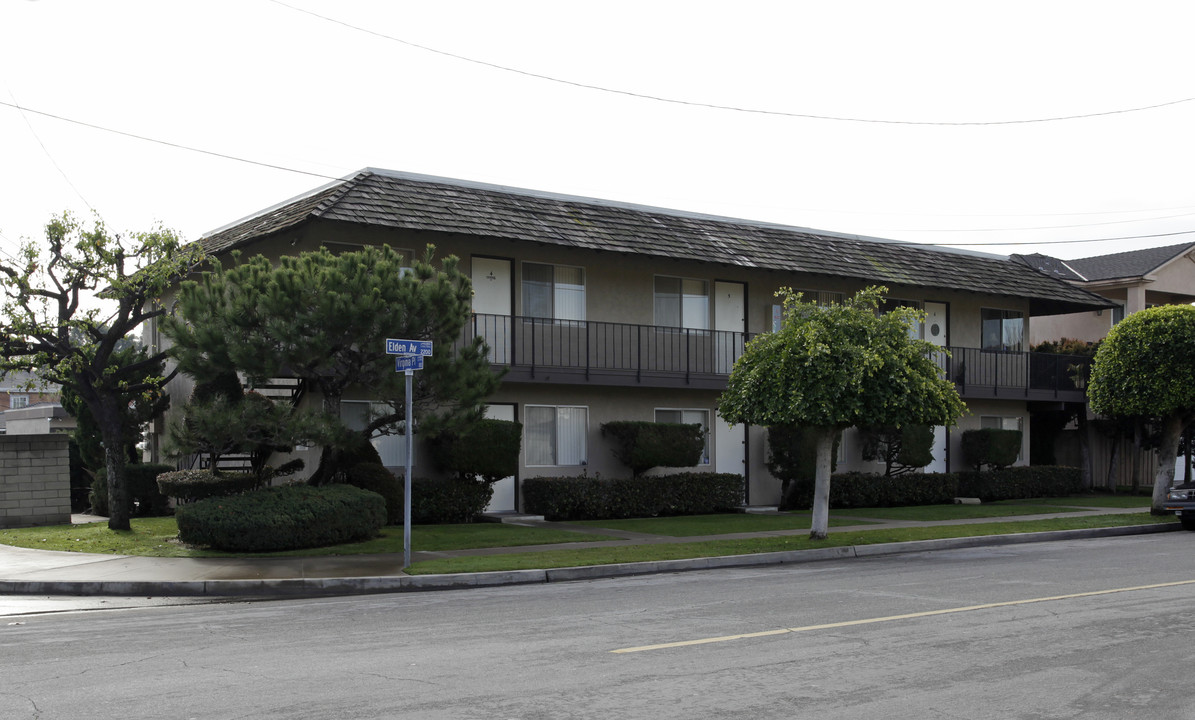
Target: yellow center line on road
890, 618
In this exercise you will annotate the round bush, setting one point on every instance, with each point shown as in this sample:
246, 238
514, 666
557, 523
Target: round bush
289, 517
376, 478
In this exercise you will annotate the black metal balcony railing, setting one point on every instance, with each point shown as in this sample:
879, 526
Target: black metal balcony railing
621, 353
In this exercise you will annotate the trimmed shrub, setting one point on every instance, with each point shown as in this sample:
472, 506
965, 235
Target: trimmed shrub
643, 445
187, 486
376, 478
455, 500
592, 498
1016, 483
853, 490
902, 450
792, 456
486, 451
992, 447
141, 491
288, 517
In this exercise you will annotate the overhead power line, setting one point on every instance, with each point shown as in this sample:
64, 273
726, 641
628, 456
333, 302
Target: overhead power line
167, 143
714, 106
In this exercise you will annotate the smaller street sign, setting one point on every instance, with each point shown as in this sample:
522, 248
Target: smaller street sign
408, 347
408, 362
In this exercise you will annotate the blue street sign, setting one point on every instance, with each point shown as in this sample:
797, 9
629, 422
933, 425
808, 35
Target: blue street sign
408, 362
408, 347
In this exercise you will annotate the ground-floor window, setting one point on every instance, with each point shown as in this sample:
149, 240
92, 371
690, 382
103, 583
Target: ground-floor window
556, 435
689, 417
357, 414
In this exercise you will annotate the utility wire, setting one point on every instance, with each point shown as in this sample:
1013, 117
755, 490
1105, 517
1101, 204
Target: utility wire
47, 151
169, 144
713, 106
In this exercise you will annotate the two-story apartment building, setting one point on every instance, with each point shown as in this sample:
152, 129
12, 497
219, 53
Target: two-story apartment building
606, 311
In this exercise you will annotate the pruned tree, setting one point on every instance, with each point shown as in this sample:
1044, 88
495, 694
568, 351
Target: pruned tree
324, 318
1146, 367
901, 449
836, 366
71, 302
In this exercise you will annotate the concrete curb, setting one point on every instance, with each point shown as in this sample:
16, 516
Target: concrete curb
314, 587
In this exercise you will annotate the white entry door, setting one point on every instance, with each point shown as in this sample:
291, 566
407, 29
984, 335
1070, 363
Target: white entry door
503, 499
492, 305
935, 332
730, 322
730, 447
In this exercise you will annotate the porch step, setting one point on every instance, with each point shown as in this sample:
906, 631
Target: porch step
758, 509
510, 517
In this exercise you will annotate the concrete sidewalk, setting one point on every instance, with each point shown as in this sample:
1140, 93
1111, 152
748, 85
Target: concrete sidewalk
40, 572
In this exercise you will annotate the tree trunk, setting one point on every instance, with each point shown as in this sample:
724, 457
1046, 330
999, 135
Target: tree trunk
112, 434
1172, 429
1112, 478
821, 488
1085, 449
330, 453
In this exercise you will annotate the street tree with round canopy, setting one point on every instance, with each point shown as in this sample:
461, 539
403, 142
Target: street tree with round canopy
1146, 368
836, 366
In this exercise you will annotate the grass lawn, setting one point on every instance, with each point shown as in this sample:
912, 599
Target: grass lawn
157, 537
715, 548
929, 513
723, 524
1101, 501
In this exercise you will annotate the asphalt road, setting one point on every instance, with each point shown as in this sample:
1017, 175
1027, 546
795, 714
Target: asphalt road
1088, 629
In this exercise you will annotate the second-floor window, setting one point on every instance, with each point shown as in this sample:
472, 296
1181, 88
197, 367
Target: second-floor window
1003, 330
553, 291
682, 302
18, 401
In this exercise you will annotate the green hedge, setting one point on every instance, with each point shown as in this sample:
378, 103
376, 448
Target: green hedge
376, 478
1016, 483
187, 486
592, 498
488, 450
141, 490
855, 490
992, 447
455, 500
643, 445
288, 517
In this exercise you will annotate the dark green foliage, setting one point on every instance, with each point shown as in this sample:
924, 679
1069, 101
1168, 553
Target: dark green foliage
81, 479
187, 486
992, 447
792, 452
144, 498
289, 517
852, 490
487, 450
591, 498
1015, 483
902, 450
376, 478
642, 445
454, 500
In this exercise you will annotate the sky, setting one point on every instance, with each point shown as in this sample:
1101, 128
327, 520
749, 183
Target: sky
1015, 127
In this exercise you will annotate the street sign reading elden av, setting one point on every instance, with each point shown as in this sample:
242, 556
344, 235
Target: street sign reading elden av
408, 347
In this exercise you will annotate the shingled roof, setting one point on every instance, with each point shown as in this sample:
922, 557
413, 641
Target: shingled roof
1131, 264
417, 202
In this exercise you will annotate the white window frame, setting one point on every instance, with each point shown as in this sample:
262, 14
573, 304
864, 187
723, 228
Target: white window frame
704, 423
582, 452
556, 292
685, 304
16, 402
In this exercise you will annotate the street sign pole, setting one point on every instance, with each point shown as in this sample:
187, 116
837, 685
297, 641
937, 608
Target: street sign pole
406, 493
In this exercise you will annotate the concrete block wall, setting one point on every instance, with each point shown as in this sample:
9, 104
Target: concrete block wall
35, 480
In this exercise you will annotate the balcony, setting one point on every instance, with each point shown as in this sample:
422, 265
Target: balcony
600, 353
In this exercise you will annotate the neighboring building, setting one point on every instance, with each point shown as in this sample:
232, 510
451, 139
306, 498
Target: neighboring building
607, 311
1133, 280
21, 390
39, 419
